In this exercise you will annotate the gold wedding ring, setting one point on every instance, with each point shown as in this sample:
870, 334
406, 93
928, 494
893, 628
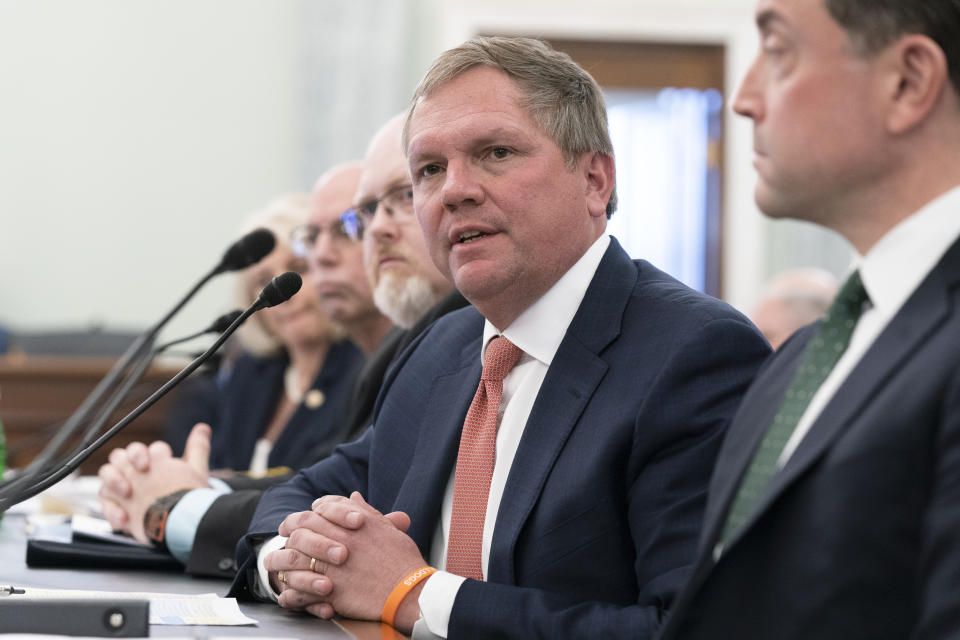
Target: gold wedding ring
313, 564
282, 578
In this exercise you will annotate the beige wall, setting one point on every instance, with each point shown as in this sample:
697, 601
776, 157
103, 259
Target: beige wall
133, 138
134, 134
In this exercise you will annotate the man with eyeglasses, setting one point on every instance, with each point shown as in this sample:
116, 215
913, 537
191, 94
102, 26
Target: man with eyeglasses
332, 242
407, 286
336, 261
406, 283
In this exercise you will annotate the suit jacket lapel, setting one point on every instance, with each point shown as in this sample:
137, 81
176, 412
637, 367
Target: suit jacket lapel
570, 382
748, 427
421, 495
923, 312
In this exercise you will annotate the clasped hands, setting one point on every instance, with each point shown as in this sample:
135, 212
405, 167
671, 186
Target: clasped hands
358, 555
138, 474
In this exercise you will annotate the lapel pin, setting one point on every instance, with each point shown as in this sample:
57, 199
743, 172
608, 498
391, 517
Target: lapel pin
314, 399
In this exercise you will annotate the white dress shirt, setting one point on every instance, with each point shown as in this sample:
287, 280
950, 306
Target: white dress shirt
891, 271
538, 332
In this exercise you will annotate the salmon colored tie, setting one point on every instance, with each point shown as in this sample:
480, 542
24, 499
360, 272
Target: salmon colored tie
478, 450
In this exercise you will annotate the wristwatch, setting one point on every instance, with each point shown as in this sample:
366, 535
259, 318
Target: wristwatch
155, 519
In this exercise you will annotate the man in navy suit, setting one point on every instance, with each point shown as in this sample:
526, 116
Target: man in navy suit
609, 421
852, 529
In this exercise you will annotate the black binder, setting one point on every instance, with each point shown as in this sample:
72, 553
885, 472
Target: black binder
97, 555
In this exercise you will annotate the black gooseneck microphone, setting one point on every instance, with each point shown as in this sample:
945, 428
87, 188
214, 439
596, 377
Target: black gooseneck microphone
128, 369
248, 250
278, 290
217, 326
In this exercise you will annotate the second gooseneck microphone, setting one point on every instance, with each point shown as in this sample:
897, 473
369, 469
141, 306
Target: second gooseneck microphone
278, 290
96, 408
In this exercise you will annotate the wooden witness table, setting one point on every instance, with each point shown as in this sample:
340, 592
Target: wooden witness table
37, 393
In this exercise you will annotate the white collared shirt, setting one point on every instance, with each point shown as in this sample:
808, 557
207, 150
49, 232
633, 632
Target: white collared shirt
538, 332
891, 271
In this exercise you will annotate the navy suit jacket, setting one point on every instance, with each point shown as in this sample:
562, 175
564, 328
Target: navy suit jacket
604, 500
858, 536
249, 399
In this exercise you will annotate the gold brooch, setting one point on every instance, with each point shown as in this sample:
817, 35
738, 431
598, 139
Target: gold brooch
314, 399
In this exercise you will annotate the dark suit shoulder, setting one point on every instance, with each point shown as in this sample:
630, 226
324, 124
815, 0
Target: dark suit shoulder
443, 340
629, 302
661, 292
374, 372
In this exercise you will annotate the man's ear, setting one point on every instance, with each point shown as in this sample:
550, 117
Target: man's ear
601, 173
918, 77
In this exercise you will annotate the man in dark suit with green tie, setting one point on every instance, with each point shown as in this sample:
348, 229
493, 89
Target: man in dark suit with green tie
834, 508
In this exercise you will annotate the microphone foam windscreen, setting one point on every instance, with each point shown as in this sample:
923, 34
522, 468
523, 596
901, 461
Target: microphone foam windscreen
248, 250
280, 289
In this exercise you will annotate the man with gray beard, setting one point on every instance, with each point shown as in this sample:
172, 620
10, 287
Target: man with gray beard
406, 283
407, 288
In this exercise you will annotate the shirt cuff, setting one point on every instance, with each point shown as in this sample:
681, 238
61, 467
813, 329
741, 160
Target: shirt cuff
436, 601
185, 517
219, 485
263, 588
422, 632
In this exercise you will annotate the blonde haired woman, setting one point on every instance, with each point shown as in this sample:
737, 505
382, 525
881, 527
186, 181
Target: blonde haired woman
284, 396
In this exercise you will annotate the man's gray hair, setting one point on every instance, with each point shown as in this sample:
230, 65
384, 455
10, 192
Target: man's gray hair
561, 97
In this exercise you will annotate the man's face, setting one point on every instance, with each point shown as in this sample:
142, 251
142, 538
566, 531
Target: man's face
814, 102
336, 261
405, 281
503, 215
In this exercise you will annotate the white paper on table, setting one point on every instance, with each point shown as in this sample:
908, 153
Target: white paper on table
73, 494
198, 611
100, 529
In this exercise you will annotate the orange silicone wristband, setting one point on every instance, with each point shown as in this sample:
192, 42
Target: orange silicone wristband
401, 590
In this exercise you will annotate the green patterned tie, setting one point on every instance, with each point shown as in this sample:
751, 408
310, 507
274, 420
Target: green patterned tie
821, 354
